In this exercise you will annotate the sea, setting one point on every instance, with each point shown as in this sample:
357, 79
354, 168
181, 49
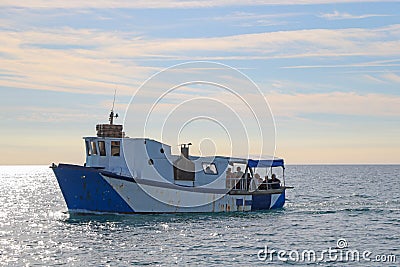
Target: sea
336, 215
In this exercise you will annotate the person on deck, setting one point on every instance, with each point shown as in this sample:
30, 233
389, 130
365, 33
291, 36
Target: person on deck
230, 178
276, 183
256, 181
266, 183
238, 173
229, 173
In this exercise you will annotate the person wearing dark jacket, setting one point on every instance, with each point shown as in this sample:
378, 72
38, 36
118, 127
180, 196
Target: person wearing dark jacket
276, 183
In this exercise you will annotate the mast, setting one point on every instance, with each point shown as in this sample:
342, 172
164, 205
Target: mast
111, 129
112, 116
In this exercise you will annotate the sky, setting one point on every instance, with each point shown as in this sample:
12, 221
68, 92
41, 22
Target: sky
329, 70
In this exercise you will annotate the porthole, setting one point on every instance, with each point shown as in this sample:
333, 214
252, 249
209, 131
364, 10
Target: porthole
151, 162
162, 150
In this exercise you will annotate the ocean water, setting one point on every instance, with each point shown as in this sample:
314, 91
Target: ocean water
336, 209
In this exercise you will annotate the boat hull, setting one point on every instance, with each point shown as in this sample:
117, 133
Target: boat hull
87, 189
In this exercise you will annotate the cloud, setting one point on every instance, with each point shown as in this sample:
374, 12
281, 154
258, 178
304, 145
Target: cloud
238, 16
142, 4
93, 61
249, 19
372, 78
298, 105
391, 77
281, 44
40, 114
342, 15
86, 68
386, 77
348, 65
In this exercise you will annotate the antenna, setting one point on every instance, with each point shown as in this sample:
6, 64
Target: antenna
115, 92
111, 119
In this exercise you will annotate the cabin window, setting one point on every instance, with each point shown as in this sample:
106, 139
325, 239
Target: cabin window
209, 168
87, 143
115, 148
94, 148
102, 148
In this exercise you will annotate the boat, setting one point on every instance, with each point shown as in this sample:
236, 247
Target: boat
141, 175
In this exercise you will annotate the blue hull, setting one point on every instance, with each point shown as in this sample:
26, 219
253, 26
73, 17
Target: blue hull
263, 202
84, 189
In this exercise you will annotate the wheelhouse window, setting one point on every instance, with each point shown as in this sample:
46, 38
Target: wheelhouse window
209, 168
94, 148
102, 148
87, 143
115, 148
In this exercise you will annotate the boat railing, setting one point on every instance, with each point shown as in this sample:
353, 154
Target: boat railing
237, 183
269, 185
244, 184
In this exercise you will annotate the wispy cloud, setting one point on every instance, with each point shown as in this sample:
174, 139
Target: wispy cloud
250, 19
383, 77
372, 78
286, 44
375, 63
92, 61
238, 16
391, 77
39, 114
297, 105
143, 4
336, 15
85, 68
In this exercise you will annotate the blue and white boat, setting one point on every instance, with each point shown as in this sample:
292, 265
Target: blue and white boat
141, 175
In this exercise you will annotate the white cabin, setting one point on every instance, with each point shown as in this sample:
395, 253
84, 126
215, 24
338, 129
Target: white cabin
148, 159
